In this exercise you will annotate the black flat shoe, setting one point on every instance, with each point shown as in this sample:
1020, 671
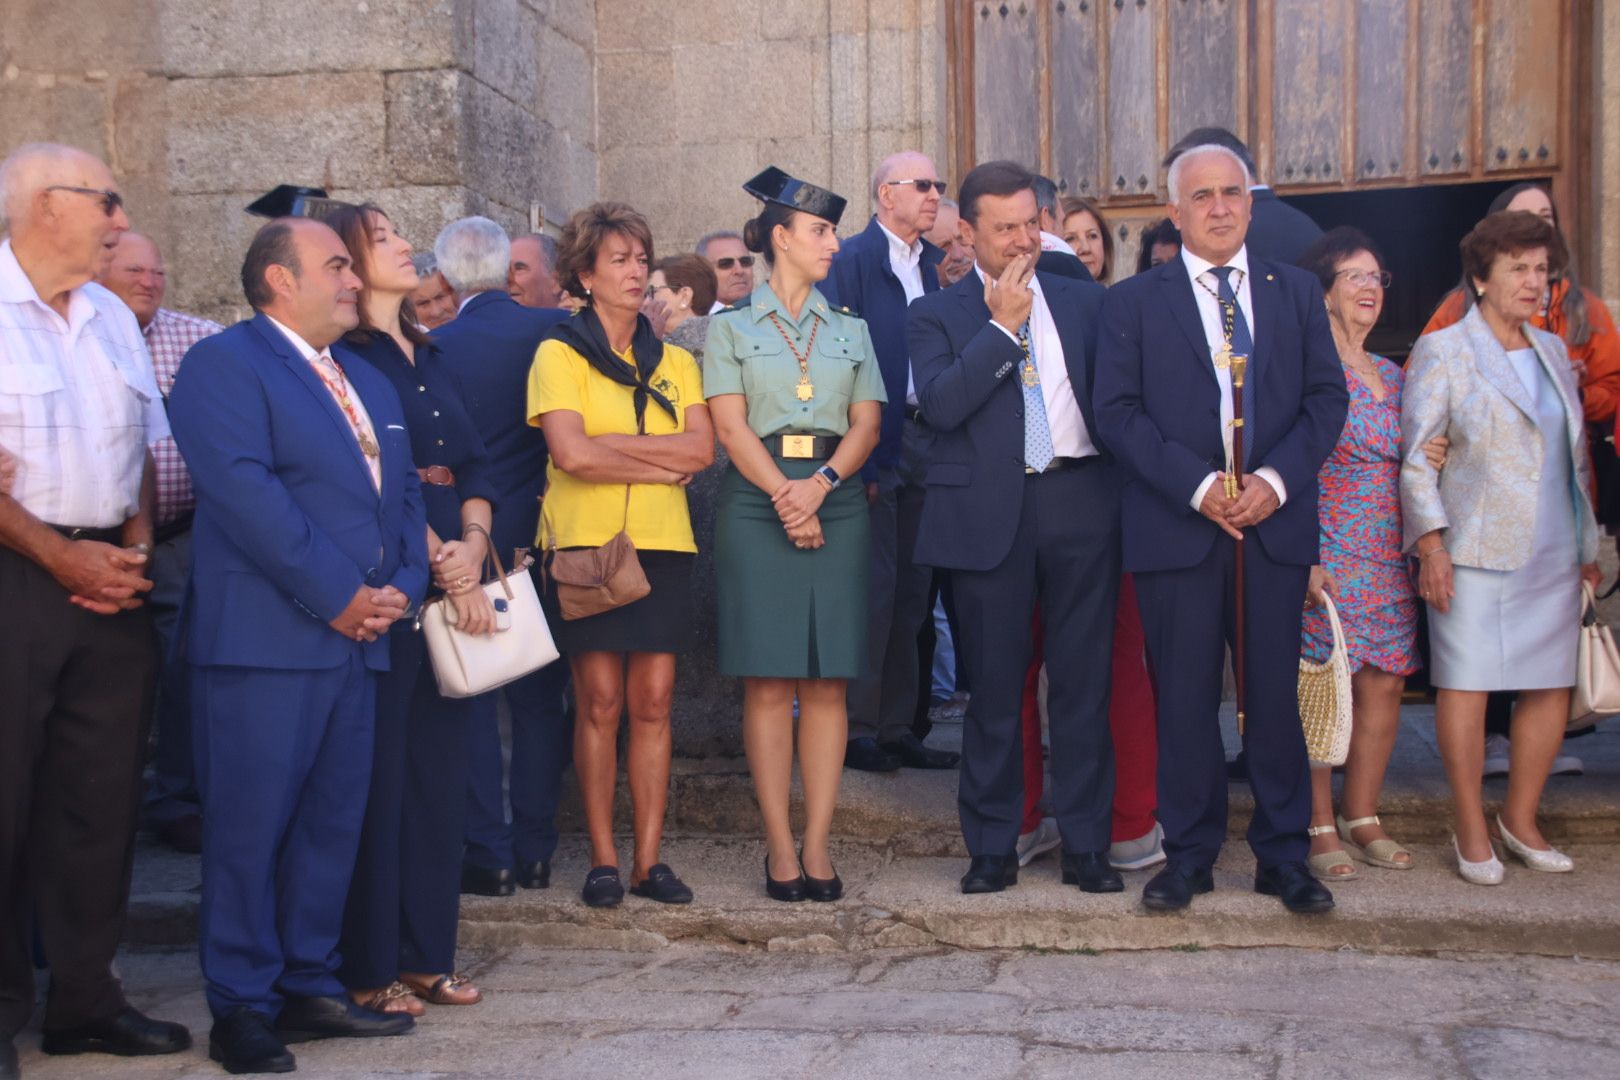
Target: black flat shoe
789, 892
821, 890
304, 1019
1091, 871
662, 885
478, 881
1173, 888
1293, 884
914, 755
535, 875
866, 755
990, 873
243, 1042
126, 1033
602, 887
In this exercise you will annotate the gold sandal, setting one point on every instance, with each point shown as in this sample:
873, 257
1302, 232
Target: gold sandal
1323, 864
1380, 852
450, 989
396, 997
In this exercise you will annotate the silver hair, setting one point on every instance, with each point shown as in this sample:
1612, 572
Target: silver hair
721, 234
25, 171
1173, 180
425, 263
548, 248
473, 255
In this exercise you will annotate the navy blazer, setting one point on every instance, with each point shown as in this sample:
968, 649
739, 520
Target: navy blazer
1278, 231
975, 478
863, 279
490, 349
289, 525
1159, 407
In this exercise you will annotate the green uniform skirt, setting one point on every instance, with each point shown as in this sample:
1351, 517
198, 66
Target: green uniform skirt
786, 613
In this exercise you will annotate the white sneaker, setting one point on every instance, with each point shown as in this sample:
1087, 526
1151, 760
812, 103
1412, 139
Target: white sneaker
1138, 854
1496, 756
1045, 838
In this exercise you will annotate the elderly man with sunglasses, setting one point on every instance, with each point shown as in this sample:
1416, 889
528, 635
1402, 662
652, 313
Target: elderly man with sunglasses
733, 265
79, 410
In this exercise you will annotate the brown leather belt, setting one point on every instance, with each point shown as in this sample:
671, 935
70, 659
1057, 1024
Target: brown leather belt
437, 475
803, 447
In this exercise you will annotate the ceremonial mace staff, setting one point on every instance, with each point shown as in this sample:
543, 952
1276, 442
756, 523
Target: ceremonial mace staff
1234, 486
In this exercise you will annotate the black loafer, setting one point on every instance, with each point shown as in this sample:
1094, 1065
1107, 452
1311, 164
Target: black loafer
866, 755
304, 1019
914, 755
183, 834
662, 885
126, 1033
9, 1069
243, 1042
1237, 769
990, 873
790, 891
1091, 871
822, 890
1293, 884
479, 881
1173, 888
602, 887
535, 875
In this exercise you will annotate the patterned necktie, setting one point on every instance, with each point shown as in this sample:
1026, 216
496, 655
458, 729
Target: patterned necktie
1037, 432
1242, 345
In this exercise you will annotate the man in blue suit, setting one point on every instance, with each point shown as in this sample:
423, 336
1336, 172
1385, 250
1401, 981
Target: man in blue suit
491, 345
1165, 403
1022, 506
309, 542
878, 274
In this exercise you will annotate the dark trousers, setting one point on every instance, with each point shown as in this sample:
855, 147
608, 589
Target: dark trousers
1188, 616
883, 700
172, 793
75, 692
406, 894
542, 749
1065, 556
283, 761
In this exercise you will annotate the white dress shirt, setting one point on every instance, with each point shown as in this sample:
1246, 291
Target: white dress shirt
906, 262
329, 372
1070, 438
78, 404
1209, 310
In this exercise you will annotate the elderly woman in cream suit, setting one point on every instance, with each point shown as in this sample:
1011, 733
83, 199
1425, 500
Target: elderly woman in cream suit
1505, 532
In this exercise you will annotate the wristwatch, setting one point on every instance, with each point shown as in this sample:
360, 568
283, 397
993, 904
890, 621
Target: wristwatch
833, 479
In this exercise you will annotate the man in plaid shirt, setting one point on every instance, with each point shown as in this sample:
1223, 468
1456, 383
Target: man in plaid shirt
135, 273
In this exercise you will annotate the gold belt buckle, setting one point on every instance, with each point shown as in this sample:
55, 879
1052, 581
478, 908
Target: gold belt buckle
799, 446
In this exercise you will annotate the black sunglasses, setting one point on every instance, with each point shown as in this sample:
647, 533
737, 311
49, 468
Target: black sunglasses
726, 262
922, 186
110, 200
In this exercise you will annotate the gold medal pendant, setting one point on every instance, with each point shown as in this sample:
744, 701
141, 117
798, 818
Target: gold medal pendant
368, 446
1223, 358
1032, 377
804, 391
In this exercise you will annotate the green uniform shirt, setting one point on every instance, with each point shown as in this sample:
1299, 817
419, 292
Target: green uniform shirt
746, 354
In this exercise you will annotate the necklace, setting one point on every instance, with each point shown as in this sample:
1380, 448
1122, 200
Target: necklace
340, 390
805, 390
1223, 356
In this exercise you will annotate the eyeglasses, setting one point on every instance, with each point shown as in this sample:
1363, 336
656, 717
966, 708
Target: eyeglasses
1362, 278
660, 285
110, 200
922, 186
726, 262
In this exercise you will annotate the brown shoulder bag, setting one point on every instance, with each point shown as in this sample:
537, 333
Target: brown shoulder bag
593, 580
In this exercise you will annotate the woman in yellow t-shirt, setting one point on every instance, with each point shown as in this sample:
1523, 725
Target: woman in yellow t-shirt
627, 428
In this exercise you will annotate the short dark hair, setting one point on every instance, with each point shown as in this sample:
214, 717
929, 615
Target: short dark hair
272, 246
693, 272
756, 234
998, 178
1330, 249
1046, 194
1163, 231
1508, 232
1214, 136
583, 236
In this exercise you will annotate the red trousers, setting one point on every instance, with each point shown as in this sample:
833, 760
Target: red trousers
1131, 719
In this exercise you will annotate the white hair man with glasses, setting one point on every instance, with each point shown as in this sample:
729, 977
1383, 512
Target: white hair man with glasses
733, 265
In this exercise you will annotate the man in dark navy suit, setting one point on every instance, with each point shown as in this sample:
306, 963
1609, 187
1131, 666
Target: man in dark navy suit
491, 345
309, 542
1022, 506
1277, 231
1165, 402
878, 274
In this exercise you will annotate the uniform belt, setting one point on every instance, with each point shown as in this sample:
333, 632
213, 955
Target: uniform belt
437, 475
803, 447
113, 535
1058, 464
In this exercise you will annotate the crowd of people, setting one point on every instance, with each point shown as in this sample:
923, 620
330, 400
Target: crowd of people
966, 401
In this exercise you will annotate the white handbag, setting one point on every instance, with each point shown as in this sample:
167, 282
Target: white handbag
1325, 704
466, 665
1597, 669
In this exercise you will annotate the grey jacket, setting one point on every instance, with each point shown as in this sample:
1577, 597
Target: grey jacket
1460, 384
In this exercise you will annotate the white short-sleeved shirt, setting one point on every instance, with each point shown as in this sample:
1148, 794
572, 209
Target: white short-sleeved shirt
78, 403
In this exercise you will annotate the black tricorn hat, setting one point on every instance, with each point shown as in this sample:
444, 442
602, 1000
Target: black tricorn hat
290, 200
775, 186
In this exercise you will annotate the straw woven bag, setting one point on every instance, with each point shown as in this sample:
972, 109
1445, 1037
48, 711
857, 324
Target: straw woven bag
1324, 698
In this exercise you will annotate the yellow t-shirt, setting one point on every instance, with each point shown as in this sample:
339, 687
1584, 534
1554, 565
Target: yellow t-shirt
582, 513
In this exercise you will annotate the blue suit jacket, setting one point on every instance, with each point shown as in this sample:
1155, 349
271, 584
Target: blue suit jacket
862, 278
490, 347
1159, 407
289, 525
973, 402
1278, 231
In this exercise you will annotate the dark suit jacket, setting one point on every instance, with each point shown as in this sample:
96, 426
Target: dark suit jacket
862, 279
1159, 406
1277, 231
289, 525
973, 402
490, 347
1061, 262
